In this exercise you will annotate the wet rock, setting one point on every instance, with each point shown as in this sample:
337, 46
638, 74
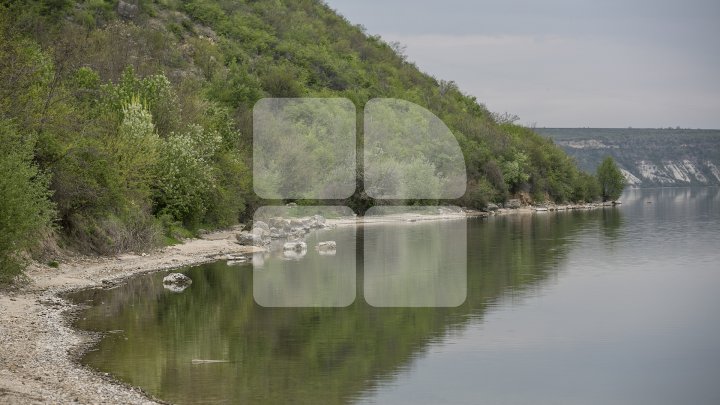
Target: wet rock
294, 250
176, 282
327, 248
177, 279
327, 245
294, 246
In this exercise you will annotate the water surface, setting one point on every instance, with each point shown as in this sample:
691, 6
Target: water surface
618, 305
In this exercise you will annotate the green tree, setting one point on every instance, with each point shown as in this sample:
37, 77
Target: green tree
185, 177
611, 180
514, 171
25, 208
135, 150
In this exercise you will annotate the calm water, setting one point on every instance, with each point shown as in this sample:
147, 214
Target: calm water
613, 306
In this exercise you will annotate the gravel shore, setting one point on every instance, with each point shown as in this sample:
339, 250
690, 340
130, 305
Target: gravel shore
39, 348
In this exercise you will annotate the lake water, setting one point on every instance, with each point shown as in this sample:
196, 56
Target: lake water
611, 306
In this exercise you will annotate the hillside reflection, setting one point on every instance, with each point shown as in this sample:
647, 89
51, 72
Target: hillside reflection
302, 355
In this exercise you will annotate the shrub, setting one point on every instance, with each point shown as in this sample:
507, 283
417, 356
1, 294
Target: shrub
107, 234
185, 176
25, 208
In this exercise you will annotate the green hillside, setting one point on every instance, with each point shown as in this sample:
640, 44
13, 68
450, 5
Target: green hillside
140, 113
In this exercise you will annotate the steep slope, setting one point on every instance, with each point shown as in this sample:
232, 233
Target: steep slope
647, 157
142, 110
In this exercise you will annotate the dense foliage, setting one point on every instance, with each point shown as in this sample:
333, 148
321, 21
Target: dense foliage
24, 207
142, 114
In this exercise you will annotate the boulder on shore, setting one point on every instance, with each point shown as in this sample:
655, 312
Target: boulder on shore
258, 237
261, 225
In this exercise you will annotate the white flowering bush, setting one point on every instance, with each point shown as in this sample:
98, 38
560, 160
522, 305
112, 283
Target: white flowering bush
135, 151
184, 174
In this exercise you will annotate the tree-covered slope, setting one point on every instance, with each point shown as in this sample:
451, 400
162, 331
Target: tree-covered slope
141, 111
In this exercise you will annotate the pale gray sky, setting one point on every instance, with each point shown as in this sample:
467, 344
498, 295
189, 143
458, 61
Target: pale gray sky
565, 63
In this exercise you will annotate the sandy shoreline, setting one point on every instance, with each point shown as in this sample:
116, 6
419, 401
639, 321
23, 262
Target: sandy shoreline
39, 348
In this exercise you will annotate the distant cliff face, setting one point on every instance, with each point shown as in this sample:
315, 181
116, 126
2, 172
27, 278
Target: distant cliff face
647, 157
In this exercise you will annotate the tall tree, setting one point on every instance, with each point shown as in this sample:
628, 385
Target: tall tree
612, 182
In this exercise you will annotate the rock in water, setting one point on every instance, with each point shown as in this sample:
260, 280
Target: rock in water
295, 246
328, 248
176, 282
177, 278
294, 250
327, 245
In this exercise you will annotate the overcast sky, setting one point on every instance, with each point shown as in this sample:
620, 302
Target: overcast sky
565, 63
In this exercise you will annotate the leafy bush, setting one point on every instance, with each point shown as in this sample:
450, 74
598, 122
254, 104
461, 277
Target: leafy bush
25, 209
185, 178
